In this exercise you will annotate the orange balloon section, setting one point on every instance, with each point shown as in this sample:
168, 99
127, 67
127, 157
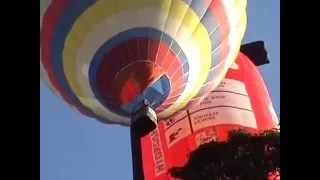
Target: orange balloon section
240, 101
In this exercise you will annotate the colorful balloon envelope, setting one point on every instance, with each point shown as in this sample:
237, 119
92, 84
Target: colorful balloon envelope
106, 57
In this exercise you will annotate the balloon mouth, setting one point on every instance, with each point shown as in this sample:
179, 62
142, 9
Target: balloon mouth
138, 82
134, 78
143, 72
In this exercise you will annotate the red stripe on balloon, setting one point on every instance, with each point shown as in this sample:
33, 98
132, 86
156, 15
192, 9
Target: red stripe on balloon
174, 70
153, 47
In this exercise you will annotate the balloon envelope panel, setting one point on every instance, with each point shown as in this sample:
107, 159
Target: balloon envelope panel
105, 57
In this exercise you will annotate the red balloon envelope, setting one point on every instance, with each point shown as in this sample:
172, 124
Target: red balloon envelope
240, 101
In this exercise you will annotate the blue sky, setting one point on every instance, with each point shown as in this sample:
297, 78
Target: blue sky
73, 147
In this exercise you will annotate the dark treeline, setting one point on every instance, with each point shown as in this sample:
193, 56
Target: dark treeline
244, 156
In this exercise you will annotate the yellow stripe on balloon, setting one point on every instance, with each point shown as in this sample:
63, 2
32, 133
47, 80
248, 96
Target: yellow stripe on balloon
102, 9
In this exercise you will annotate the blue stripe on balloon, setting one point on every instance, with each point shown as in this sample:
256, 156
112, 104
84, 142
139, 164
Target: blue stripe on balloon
155, 94
125, 36
199, 7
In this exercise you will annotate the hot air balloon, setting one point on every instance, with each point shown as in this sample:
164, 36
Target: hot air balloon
107, 58
240, 101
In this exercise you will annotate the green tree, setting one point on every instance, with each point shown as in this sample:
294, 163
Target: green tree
244, 156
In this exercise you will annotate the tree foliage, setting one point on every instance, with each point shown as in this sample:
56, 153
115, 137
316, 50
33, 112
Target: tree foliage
244, 156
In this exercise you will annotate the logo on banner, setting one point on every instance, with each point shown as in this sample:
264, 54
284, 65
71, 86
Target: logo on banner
206, 136
173, 136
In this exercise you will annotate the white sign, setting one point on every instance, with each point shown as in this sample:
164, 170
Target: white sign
228, 104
